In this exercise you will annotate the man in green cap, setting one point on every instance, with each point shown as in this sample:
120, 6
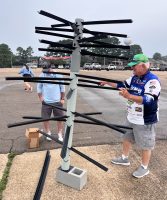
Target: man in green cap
142, 112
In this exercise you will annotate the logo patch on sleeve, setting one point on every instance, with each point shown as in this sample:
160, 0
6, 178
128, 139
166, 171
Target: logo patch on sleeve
138, 109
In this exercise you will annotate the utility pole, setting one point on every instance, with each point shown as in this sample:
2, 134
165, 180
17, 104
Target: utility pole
104, 61
11, 62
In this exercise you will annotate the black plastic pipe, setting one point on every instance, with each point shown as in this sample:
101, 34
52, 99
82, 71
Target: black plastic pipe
98, 22
54, 29
92, 119
42, 178
80, 121
46, 14
65, 142
76, 151
54, 34
37, 78
55, 50
33, 121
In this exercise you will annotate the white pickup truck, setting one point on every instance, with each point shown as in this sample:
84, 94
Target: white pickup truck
86, 66
111, 67
96, 66
32, 65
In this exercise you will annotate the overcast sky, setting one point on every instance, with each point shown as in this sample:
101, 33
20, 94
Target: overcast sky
18, 19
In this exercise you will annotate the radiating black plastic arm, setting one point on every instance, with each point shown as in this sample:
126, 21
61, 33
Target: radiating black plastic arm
65, 142
98, 45
54, 29
37, 78
42, 12
66, 22
55, 50
50, 82
56, 44
80, 121
54, 34
101, 122
30, 79
86, 76
104, 33
34, 117
84, 52
33, 121
92, 119
105, 45
121, 21
118, 21
95, 123
80, 85
84, 31
98, 78
76, 151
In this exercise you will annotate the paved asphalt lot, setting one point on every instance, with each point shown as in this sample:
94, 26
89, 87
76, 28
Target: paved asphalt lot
16, 103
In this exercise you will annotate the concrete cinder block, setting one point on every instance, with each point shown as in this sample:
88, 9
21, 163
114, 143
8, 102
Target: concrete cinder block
75, 177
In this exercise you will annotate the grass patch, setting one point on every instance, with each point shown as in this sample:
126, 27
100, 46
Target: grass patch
4, 180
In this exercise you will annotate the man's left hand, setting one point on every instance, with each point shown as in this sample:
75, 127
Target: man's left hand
62, 101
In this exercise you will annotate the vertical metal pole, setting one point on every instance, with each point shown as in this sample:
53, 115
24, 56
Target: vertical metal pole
71, 100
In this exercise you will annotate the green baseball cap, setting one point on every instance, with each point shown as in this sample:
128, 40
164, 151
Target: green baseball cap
138, 58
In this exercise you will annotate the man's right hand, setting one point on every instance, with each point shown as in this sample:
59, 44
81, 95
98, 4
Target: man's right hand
102, 83
40, 97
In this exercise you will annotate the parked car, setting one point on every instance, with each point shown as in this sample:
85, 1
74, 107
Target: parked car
154, 68
128, 67
86, 66
66, 66
163, 68
96, 66
111, 67
60, 67
32, 65
120, 67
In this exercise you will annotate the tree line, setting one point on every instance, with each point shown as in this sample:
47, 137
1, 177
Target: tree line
22, 56
9, 59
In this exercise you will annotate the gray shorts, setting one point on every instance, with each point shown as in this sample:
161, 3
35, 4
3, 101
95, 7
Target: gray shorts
142, 135
46, 111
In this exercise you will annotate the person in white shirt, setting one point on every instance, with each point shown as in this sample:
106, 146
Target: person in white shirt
142, 112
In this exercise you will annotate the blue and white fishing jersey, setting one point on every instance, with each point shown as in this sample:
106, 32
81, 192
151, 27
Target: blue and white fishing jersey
148, 86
